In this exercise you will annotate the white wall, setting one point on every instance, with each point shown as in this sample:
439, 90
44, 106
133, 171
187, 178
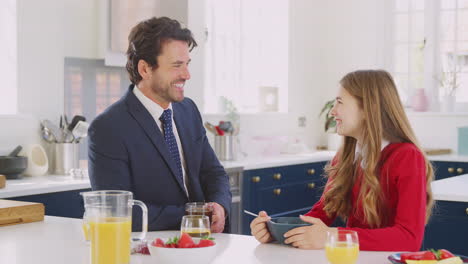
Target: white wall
48, 30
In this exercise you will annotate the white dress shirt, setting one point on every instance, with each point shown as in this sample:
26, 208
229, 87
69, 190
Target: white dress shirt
156, 111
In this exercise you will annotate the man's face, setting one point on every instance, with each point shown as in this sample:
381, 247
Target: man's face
168, 79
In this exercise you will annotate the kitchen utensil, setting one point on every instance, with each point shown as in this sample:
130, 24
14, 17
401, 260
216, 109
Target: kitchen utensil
224, 147
280, 225
54, 130
38, 162
80, 130
15, 152
219, 132
226, 126
75, 121
47, 135
2, 181
13, 166
211, 128
16, 212
66, 158
250, 213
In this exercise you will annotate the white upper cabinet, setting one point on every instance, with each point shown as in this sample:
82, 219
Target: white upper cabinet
119, 16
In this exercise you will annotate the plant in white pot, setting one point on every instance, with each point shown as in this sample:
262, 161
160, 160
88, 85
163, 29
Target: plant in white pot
448, 82
333, 139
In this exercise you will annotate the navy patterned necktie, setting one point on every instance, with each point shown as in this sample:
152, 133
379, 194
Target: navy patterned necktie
171, 141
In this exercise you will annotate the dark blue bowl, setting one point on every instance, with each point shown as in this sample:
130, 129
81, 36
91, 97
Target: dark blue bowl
280, 225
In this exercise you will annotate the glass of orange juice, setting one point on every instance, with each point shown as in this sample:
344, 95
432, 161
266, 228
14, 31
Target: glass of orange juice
108, 225
342, 247
196, 226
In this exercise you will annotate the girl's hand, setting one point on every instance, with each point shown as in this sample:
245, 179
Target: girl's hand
259, 228
309, 237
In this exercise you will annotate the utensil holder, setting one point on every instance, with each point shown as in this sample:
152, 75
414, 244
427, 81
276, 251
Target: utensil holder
225, 148
66, 157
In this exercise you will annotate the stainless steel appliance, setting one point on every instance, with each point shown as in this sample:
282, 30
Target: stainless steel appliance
235, 181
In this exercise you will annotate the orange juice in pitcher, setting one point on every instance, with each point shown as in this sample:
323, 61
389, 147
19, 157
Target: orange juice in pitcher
110, 240
108, 224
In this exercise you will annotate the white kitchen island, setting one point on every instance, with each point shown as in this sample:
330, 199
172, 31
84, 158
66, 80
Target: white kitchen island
59, 240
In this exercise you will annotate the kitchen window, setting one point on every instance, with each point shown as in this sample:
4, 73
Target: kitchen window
90, 87
430, 48
8, 53
246, 59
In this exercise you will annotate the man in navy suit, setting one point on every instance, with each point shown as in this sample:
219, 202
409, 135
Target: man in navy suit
152, 141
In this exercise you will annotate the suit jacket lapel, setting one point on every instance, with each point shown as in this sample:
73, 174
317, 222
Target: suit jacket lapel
147, 123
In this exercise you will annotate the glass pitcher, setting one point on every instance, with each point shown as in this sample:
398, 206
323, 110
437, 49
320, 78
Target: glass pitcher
109, 225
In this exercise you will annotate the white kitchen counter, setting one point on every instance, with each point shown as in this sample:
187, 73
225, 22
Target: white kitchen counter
451, 189
251, 163
59, 240
450, 157
42, 184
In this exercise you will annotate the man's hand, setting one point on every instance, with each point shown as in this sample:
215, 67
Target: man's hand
218, 219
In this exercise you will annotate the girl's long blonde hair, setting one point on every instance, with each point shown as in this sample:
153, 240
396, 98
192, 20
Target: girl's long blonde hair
384, 117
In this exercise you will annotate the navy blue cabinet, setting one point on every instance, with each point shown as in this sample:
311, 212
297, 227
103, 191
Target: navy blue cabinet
282, 191
65, 204
448, 227
446, 169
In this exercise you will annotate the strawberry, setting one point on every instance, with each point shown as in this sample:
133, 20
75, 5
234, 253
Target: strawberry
206, 243
421, 255
172, 242
158, 242
185, 241
442, 254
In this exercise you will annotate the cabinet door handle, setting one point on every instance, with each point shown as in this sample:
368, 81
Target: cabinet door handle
311, 171
277, 176
311, 185
451, 170
256, 179
277, 191
459, 170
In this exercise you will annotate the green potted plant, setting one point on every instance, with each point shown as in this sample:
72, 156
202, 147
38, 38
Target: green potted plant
330, 122
333, 139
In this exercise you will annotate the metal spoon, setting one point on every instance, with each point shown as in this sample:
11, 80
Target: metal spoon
253, 214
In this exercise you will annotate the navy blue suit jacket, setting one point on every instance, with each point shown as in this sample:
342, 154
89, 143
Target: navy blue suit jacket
127, 151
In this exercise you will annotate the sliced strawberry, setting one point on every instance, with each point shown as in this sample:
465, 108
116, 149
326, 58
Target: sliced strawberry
158, 242
185, 241
206, 243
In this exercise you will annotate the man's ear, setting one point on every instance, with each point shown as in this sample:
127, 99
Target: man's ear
144, 69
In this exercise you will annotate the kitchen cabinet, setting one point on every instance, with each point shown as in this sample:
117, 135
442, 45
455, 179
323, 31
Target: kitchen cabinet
282, 191
65, 204
446, 169
118, 17
448, 227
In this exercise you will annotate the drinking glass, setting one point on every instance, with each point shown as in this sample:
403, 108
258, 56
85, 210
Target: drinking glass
199, 208
342, 247
196, 226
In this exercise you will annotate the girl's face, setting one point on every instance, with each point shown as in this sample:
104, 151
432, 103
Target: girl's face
349, 115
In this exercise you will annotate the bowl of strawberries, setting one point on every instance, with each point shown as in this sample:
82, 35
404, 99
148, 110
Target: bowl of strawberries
183, 249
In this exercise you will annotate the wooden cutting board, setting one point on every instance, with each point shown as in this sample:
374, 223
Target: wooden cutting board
16, 212
2, 181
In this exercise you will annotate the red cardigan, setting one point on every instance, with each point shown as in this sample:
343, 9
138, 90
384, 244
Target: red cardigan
403, 181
